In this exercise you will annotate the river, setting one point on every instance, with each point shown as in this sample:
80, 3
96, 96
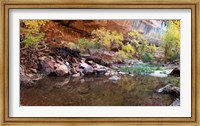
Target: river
95, 91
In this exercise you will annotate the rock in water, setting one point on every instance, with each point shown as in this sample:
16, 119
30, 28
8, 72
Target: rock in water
114, 78
175, 72
76, 75
100, 71
171, 89
87, 68
24, 79
62, 70
176, 102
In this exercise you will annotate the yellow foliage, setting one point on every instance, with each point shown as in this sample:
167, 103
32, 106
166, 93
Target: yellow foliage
141, 47
171, 40
121, 56
128, 49
34, 25
152, 48
106, 38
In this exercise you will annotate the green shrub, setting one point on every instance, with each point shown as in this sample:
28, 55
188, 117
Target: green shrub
127, 69
147, 57
32, 31
142, 49
84, 44
31, 39
146, 68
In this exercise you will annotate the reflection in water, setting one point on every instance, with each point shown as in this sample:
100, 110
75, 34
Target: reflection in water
95, 91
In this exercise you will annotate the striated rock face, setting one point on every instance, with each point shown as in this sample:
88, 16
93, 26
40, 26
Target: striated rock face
88, 26
73, 30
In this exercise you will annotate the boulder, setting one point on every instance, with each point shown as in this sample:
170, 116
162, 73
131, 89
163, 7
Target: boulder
62, 70
87, 69
76, 75
100, 71
46, 66
175, 72
170, 89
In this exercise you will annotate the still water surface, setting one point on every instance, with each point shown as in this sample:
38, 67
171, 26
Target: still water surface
95, 91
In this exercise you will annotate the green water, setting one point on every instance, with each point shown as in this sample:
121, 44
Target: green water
96, 91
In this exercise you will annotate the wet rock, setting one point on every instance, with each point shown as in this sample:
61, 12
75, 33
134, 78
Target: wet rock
87, 68
79, 74
107, 73
62, 70
114, 78
100, 71
171, 89
24, 79
175, 72
122, 73
176, 102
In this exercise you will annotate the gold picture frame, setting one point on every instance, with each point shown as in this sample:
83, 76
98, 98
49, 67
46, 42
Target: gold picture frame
4, 106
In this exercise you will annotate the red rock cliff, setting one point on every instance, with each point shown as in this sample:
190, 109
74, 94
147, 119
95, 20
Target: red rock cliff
72, 30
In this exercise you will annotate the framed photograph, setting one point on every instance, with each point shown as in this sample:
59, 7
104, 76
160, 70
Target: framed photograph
102, 62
